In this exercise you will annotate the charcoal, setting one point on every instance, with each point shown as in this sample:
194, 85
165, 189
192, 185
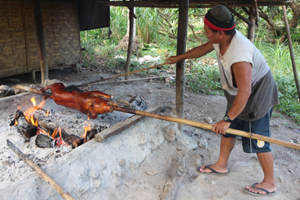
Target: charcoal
45, 141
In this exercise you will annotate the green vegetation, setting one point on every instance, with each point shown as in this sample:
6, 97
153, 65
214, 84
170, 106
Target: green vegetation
157, 31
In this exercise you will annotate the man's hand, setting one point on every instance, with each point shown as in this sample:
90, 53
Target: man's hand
220, 127
172, 60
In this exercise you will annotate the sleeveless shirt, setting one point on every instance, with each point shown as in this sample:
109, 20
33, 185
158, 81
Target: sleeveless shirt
263, 86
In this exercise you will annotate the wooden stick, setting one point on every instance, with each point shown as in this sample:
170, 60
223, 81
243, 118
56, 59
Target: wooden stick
208, 126
131, 80
40, 172
29, 89
171, 186
121, 75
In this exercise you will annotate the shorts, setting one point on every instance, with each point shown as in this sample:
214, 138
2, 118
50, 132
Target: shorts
260, 127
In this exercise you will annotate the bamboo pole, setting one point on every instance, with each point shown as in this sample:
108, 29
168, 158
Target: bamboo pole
156, 66
40, 172
207, 126
187, 122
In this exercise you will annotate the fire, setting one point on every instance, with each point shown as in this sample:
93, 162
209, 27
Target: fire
59, 140
30, 112
86, 129
33, 101
33, 121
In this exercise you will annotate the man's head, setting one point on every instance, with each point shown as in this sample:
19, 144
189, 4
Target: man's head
219, 18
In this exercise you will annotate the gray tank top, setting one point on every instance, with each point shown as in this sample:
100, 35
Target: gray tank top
264, 90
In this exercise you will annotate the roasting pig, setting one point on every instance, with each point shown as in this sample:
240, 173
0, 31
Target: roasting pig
90, 103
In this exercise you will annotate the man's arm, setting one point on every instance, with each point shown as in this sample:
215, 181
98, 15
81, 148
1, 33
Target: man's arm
243, 74
193, 53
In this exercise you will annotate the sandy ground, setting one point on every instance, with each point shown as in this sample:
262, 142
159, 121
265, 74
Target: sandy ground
203, 147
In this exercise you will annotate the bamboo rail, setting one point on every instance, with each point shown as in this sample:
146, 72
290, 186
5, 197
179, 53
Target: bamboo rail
40, 172
207, 126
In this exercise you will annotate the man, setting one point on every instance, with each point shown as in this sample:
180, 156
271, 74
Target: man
249, 88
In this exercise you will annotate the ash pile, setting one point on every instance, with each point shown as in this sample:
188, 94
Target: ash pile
127, 160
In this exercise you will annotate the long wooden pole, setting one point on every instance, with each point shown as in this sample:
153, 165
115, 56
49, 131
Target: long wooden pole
40, 172
207, 126
156, 66
291, 51
187, 122
41, 40
181, 48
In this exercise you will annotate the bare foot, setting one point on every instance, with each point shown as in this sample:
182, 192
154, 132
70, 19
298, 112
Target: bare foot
255, 188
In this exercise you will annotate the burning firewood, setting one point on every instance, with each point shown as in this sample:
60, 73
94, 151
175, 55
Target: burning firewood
71, 139
25, 128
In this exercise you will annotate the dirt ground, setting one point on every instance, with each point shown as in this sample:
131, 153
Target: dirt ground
244, 168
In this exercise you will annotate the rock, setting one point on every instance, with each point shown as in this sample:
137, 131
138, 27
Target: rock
169, 133
202, 143
208, 120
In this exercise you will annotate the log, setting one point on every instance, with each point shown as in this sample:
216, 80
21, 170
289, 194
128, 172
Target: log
172, 185
71, 139
121, 126
40, 172
208, 126
45, 141
25, 128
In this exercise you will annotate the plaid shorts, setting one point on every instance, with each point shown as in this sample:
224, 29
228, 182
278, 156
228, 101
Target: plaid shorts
260, 127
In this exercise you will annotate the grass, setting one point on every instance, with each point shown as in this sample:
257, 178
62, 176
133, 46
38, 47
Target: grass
203, 72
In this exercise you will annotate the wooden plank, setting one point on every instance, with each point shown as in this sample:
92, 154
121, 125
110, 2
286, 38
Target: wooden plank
121, 126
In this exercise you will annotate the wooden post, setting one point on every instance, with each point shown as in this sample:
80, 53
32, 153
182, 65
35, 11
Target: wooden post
41, 39
251, 30
181, 48
129, 49
291, 50
33, 77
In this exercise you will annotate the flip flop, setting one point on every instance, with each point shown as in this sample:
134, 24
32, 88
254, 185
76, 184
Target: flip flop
256, 194
213, 171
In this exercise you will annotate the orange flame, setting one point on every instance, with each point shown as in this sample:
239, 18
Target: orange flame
86, 129
33, 101
33, 121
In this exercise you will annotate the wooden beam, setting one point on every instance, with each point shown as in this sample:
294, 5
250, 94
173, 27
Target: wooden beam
251, 30
291, 50
181, 48
193, 3
41, 40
